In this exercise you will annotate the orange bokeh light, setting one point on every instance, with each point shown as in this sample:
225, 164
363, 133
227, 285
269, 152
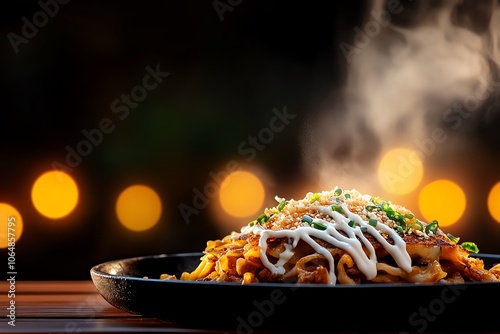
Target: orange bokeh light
442, 200
138, 208
54, 194
494, 202
11, 225
400, 171
241, 194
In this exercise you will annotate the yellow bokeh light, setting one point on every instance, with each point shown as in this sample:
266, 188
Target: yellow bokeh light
54, 194
494, 202
11, 225
241, 194
138, 208
400, 171
442, 200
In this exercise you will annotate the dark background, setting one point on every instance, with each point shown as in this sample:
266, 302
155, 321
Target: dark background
226, 76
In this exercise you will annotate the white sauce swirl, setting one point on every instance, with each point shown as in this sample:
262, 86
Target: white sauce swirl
352, 242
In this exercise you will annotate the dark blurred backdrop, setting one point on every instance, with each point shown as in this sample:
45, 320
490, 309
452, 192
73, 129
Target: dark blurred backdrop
229, 64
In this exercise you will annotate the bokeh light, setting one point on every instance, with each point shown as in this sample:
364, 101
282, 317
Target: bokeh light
241, 194
9, 218
138, 207
400, 171
494, 202
54, 194
442, 200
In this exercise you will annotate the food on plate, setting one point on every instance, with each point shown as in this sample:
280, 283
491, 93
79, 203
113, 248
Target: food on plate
339, 237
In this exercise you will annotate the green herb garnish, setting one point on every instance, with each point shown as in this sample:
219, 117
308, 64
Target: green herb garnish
314, 198
418, 224
432, 227
310, 221
262, 218
307, 219
453, 238
470, 246
319, 226
337, 208
370, 208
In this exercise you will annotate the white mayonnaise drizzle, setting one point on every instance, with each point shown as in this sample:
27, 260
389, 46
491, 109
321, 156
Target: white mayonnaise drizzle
366, 261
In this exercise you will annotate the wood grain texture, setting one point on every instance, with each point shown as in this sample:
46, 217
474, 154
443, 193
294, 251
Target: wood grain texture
59, 307
73, 307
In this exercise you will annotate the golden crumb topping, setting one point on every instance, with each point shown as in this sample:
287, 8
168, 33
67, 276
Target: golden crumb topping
289, 214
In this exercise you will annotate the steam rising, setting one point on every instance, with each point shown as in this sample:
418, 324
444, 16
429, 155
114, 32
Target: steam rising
401, 84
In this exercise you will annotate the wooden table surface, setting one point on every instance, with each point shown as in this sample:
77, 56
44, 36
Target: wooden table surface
75, 307
72, 307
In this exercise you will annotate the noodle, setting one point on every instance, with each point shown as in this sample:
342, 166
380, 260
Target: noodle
339, 237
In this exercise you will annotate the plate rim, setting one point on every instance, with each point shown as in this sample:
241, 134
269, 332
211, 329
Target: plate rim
146, 297
96, 271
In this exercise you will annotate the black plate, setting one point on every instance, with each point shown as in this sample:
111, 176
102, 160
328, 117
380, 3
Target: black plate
472, 306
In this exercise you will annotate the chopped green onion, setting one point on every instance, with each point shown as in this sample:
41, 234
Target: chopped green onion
337, 208
351, 223
400, 229
397, 217
419, 224
319, 226
453, 238
470, 246
314, 197
262, 218
364, 229
281, 206
401, 220
307, 219
314, 224
338, 192
432, 227
347, 195
252, 223
386, 206
373, 222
